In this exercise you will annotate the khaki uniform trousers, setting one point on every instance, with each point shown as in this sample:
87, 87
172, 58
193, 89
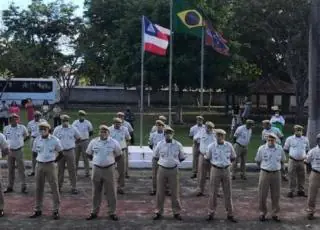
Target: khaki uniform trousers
272, 181
121, 170
203, 169
241, 152
314, 185
69, 158
195, 159
296, 172
171, 176
47, 171
81, 149
104, 178
16, 156
126, 161
217, 176
1, 198
34, 161
155, 167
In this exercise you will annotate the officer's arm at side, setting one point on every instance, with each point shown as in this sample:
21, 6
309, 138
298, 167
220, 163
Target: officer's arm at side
4, 147
233, 155
89, 150
286, 146
58, 149
117, 151
236, 134
258, 157
208, 154
25, 133
156, 153
34, 150
181, 153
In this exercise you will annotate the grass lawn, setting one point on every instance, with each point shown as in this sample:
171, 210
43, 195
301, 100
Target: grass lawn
181, 131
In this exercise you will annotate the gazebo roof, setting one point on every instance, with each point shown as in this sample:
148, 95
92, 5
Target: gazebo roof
271, 85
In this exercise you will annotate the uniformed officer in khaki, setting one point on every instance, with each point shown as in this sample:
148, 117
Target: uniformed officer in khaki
196, 145
33, 129
154, 139
85, 129
45, 148
104, 151
16, 135
161, 118
241, 138
130, 130
68, 136
170, 153
313, 159
121, 134
205, 136
269, 158
297, 147
4, 146
220, 155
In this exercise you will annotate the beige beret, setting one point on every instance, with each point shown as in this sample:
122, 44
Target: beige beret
209, 124
104, 127
298, 127
64, 117
45, 125
199, 118
159, 122
249, 121
220, 131
162, 118
14, 115
37, 113
168, 129
120, 114
275, 108
82, 112
272, 135
266, 122
117, 120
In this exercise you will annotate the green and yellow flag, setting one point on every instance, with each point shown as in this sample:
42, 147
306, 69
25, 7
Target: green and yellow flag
186, 18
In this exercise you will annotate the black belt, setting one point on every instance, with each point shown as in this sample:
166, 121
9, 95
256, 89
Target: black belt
215, 166
68, 149
124, 149
168, 167
315, 171
295, 159
48, 162
104, 167
34, 137
241, 145
267, 171
16, 149
83, 140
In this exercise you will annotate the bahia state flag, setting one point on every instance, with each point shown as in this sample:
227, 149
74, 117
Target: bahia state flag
155, 37
215, 40
186, 18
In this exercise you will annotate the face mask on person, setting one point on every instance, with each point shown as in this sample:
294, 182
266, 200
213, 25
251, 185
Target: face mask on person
168, 136
277, 114
65, 123
298, 133
81, 118
104, 134
271, 143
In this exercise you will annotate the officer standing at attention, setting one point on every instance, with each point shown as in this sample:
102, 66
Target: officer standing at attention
85, 129
68, 135
33, 129
206, 137
121, 134
269, 158
196, 145
242, 137
104, 151
170, 153
45, 148
297, 147
130, 129
221, 155
16, 135
313, 160
154, 139
5, 151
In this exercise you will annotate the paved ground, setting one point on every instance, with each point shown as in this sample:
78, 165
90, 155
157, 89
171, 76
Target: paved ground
136, 206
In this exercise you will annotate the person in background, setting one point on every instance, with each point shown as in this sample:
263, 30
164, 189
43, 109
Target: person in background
236, 120
4, 114
45, 108
247, 109
14, 109
129, 117
277, 120
56, 115
29, 109
4, 145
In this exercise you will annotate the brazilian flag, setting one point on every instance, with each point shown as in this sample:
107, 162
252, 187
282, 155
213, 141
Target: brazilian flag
186, 18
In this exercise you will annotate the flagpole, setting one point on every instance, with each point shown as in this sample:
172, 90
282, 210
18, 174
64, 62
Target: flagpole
142, 81
202, 68
170, 64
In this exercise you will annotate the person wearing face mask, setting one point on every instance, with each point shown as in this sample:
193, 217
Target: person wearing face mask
169, 153
241, 139
269, 158
121, 134
196, 144
4, 146
220, 155
277, 120
104, 151
313, 161
130, 129
68, 136
154, 139
45, 148
16, 134
33, 129
85, 129
297, 147
206, 137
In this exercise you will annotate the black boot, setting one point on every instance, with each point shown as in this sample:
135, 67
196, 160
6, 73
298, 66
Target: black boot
36, 214
92, 216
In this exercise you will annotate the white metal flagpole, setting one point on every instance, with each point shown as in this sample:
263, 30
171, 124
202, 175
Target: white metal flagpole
142, 81
202, 68
170, 65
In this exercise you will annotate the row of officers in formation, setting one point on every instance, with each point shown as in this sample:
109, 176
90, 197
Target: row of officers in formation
108, 152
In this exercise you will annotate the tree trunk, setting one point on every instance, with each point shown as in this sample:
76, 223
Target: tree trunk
66, 97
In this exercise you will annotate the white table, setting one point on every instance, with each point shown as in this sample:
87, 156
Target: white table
142, 157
